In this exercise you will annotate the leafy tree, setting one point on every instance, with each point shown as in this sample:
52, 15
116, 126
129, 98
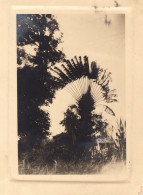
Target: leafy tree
71, 123
39, 30
83, 127
78, 120
36, 86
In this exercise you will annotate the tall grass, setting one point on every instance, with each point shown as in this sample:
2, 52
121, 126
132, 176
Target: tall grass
62, 167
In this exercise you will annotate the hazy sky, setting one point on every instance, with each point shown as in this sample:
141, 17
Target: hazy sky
85, 33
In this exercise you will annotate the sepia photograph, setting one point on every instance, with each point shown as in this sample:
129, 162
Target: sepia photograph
71, 93
71, 97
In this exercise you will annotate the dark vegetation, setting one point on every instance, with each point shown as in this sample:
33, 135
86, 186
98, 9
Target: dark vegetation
77, 151
36, 86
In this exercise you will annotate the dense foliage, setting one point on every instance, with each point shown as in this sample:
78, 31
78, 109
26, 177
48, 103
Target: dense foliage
36, 86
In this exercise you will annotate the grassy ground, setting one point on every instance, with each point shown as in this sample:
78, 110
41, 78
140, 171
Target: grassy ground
60, 168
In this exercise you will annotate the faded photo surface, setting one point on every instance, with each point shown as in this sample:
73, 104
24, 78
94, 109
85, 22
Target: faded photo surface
71, 93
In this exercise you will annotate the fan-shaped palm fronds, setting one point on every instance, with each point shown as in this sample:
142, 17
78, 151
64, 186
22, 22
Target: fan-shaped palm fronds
77, 75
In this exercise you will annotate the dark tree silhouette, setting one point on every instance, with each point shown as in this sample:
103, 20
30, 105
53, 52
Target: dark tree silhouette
36, 86
38, 30
31, 94
81, 126
86, 107
71, 123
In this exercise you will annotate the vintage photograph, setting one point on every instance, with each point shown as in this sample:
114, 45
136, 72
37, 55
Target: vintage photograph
71, 93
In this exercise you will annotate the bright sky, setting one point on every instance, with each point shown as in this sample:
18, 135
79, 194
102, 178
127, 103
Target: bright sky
86, 33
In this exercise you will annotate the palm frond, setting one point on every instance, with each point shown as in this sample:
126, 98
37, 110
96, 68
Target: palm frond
77, 75
109, 110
